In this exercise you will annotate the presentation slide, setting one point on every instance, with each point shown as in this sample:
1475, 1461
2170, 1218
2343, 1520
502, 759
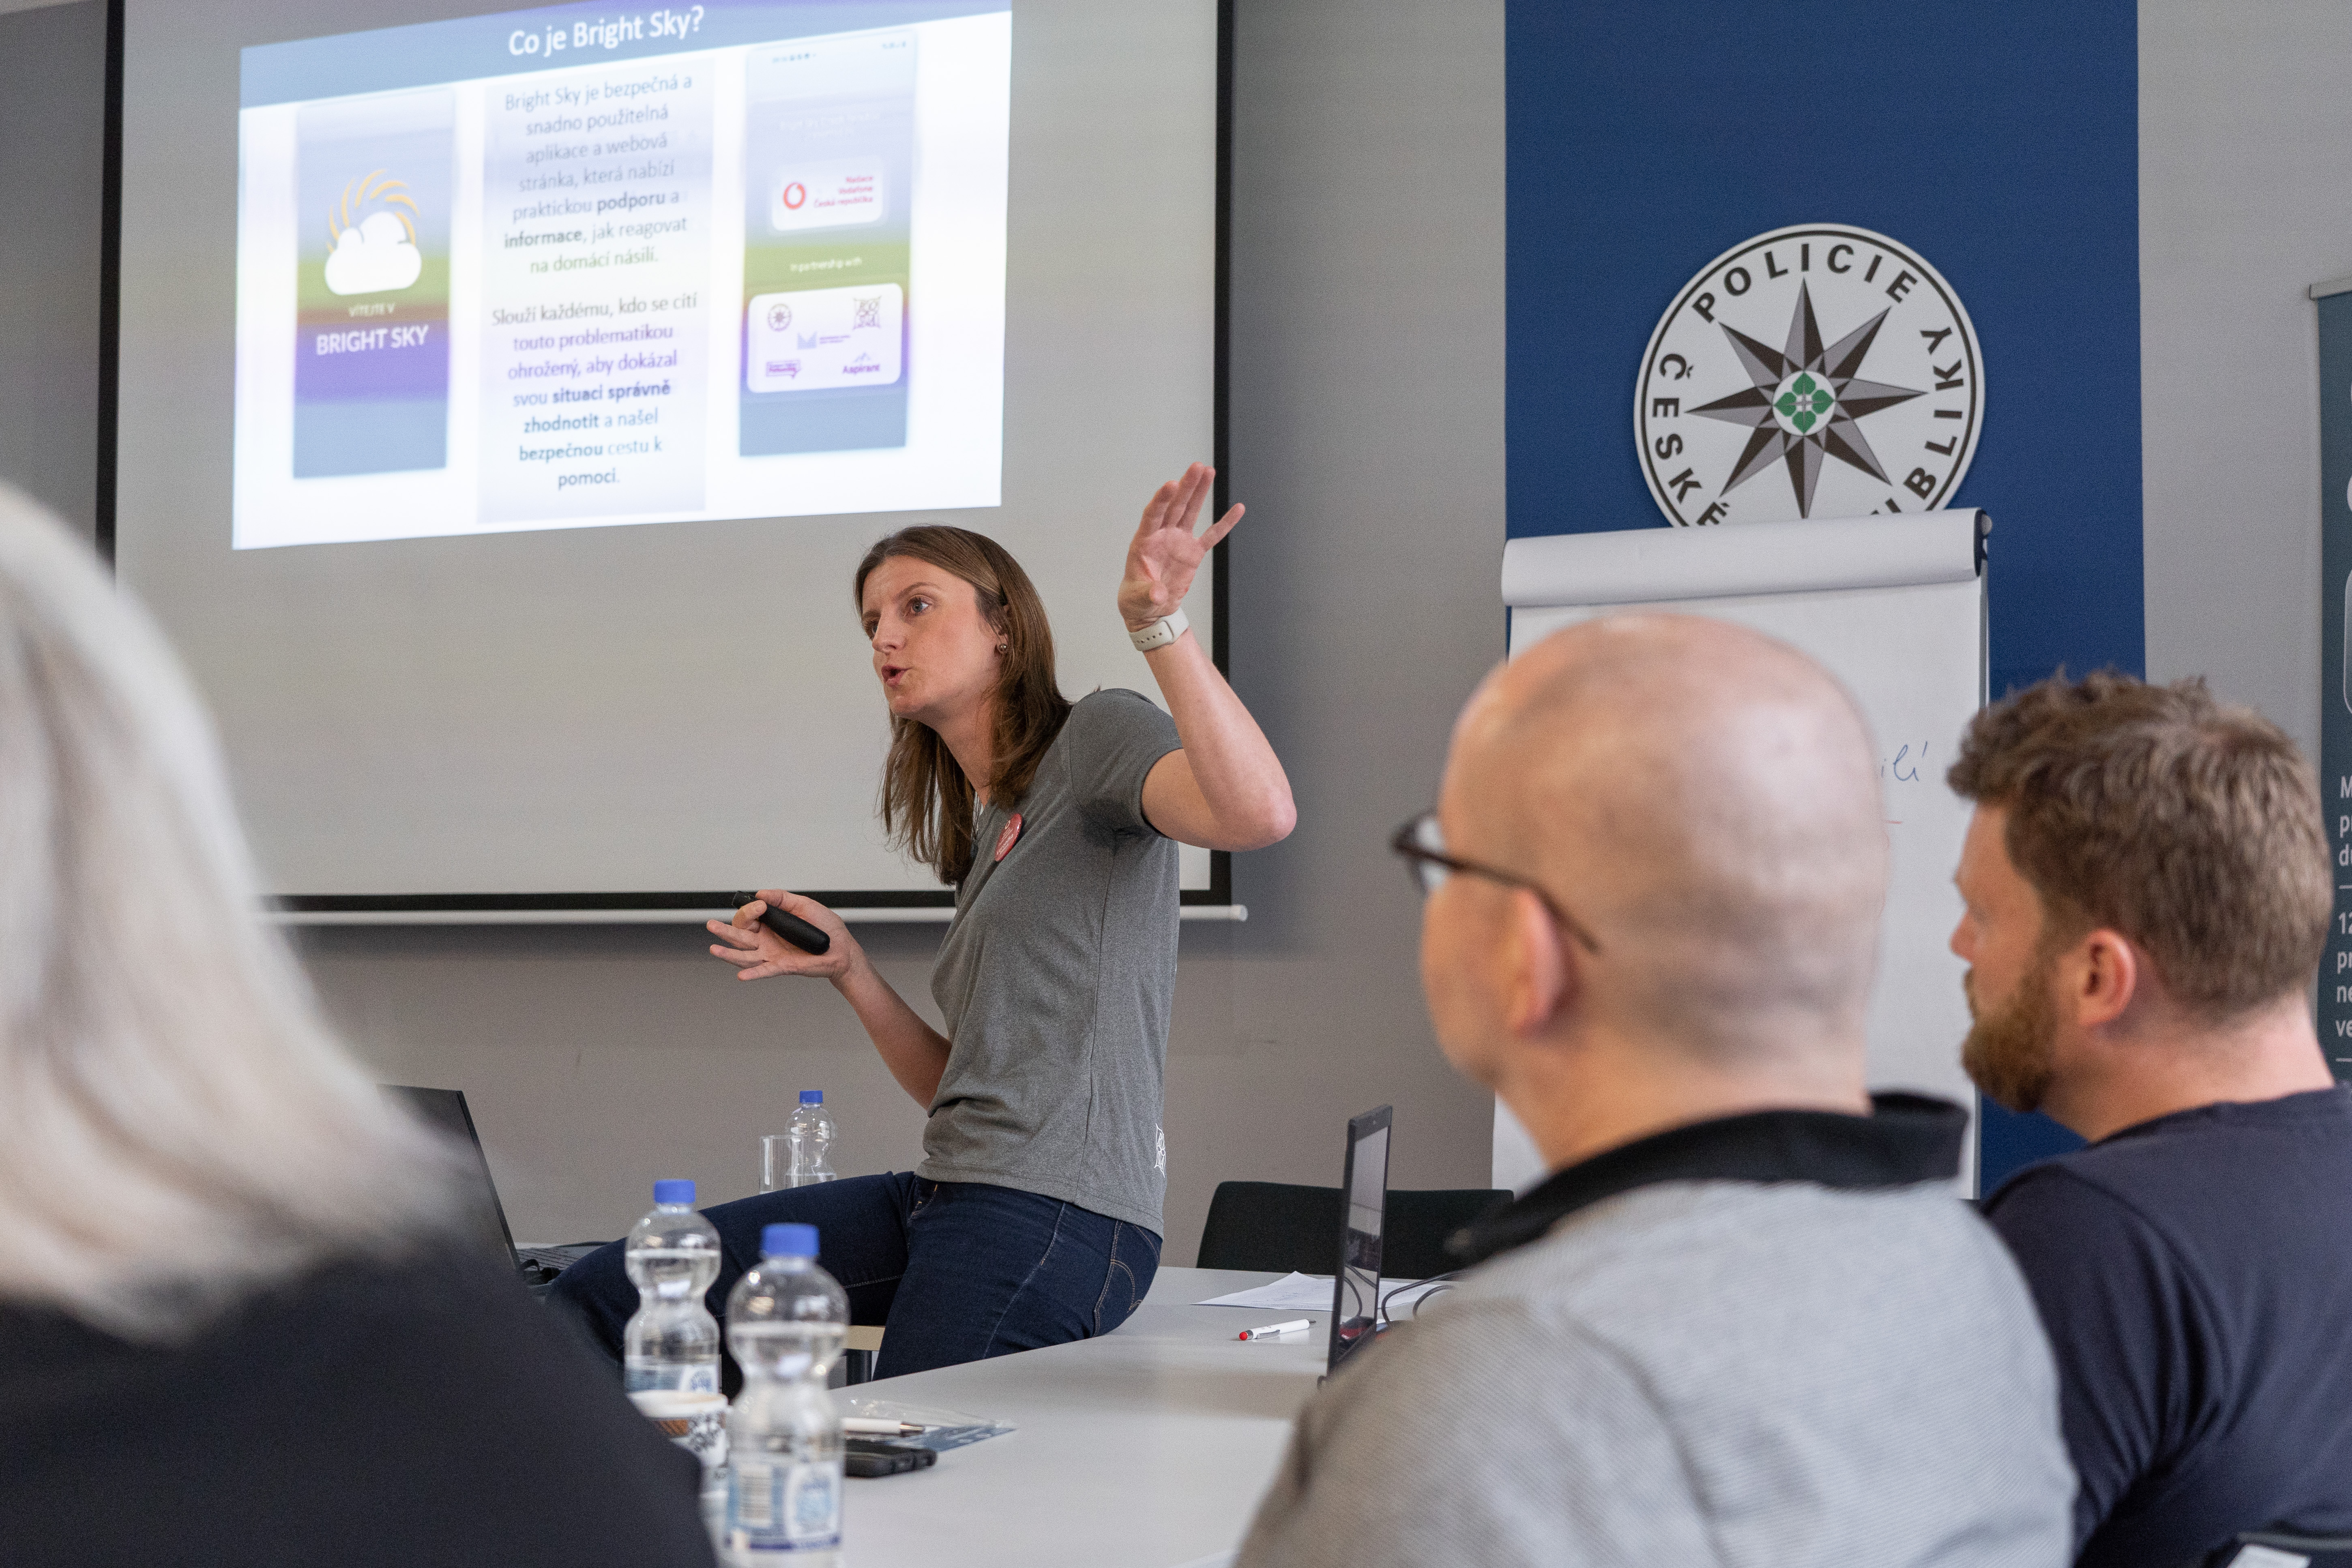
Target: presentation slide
507, 401
550, 271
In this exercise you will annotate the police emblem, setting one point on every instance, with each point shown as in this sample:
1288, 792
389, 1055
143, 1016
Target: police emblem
1816, 371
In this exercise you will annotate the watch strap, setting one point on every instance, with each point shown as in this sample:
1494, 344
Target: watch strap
1161, 632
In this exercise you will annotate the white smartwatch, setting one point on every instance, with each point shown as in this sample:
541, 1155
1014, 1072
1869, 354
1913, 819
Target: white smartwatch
1161, 632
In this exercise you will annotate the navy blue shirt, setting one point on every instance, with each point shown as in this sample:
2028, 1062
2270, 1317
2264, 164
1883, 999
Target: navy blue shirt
2195, 1275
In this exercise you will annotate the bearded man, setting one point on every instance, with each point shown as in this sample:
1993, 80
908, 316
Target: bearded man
2148, 888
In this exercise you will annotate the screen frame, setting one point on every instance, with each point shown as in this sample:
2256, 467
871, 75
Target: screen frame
1360, 1128
446, 1111
493, 907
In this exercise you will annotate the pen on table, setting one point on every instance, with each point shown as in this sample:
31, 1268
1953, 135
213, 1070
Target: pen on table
1271, 1329
875, 1426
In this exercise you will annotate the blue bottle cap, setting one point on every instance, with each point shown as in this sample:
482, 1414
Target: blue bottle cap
811, 1097
674, 1192
789, 1241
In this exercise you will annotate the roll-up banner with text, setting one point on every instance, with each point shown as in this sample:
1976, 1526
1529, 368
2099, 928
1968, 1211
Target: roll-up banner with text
2335, 657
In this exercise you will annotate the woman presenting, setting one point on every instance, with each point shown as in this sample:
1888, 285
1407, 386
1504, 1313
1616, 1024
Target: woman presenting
1034, 1216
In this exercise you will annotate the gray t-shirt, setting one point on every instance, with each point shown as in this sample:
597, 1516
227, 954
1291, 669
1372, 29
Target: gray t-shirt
1056, 979
1745, 1375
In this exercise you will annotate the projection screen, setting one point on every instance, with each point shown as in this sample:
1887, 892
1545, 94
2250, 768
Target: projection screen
506, 400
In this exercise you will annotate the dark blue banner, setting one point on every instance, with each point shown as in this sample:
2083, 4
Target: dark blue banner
2335, 663
1998, 142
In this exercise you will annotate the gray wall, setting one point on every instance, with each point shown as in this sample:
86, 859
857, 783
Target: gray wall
1366, 390
2245, 164
1367, 404
1367, 439
52, 132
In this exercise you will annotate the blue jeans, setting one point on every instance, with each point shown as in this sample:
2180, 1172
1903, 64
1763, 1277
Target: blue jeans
957, 1270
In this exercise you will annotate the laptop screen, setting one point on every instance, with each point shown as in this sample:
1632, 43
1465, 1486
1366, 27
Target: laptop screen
444, 1110
1364, 1183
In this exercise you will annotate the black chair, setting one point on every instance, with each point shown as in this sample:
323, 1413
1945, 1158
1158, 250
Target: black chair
2280, 1547
1278, 1227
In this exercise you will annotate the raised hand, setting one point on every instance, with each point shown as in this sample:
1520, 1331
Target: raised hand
758, 952
1165, 554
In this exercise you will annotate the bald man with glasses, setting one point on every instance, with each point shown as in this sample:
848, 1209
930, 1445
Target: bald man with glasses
1747, 1320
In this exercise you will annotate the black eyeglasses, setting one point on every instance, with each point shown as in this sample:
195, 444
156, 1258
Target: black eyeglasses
1421, 843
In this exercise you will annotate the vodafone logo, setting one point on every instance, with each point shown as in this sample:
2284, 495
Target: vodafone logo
803, 194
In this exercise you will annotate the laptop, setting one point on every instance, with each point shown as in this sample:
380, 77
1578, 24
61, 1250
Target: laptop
485, 1218
1363, 1209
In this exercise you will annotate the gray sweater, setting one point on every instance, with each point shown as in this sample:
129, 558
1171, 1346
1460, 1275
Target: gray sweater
1780, 1371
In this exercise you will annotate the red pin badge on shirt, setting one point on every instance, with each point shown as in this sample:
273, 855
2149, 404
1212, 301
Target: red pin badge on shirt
1009, 837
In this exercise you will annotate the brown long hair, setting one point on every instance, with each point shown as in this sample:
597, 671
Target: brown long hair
927, 802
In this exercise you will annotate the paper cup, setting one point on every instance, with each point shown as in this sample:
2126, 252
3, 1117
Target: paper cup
695, 1422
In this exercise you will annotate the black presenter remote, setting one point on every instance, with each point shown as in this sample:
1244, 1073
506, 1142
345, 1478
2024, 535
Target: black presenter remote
792, 928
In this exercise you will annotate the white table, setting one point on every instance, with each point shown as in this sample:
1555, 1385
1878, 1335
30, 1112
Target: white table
1150, 1446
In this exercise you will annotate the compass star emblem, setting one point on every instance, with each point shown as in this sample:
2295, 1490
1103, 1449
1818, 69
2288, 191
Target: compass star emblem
1835, 355
1806, 404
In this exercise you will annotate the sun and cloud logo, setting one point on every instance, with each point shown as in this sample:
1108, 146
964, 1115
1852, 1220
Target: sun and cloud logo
374, 230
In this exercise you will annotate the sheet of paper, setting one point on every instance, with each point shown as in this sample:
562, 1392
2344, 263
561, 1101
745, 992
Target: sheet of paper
1297, 1292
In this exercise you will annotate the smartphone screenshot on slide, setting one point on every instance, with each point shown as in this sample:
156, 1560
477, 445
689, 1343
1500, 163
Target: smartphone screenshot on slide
371, 353
829, 155
553, 269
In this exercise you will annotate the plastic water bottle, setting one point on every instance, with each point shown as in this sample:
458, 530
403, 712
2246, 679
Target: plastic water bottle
672, 1343
785, 1323
811, 1134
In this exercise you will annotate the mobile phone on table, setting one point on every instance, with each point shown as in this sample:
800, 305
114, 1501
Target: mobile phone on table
869, 1456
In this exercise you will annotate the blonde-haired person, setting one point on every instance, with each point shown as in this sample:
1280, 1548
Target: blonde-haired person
234, 1324
1034, 1217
